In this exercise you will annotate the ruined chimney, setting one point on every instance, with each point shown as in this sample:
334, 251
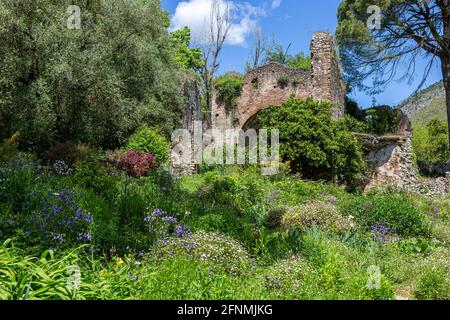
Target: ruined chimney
326, 80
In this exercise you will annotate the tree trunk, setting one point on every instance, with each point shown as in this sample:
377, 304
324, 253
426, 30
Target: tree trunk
445, 62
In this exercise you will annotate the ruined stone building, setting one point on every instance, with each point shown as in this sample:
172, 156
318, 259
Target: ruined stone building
390, 157
263, 88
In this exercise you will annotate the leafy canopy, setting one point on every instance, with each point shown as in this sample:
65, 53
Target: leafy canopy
407, 29
316, 145
96, 84
186, 57
278, 54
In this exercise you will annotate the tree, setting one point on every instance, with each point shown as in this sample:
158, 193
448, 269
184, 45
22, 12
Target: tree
258, 49
95, 84
187, 58
219, 29
374, 41
430, 142
316, 145
276, 53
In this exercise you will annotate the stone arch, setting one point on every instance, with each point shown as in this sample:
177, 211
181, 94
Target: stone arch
262, 89
273, 83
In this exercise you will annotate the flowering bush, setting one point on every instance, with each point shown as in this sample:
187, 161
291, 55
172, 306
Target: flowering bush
323, 215
220, 251
381, 232
162, 225
136, 163
57, 220
61, 168
394, 210
284, 278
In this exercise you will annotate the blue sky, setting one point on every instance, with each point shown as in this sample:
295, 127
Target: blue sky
292, 22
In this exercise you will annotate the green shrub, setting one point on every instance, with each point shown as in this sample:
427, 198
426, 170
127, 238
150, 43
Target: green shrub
381, 120
433, 283
393, 210
430, 142
17, 179
57, 220
151, 141
323, 215
275, 216
229, 87
220, 251
69, 152
284, 279
9, 148
91, 174
316, 145
132, 79
283, 82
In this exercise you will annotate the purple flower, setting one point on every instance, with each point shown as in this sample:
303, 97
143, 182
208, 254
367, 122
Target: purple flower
58, 238
380, 231
333, 200
84, 237
182, 231
170, 220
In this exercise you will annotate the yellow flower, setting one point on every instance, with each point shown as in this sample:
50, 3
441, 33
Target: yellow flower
119, 261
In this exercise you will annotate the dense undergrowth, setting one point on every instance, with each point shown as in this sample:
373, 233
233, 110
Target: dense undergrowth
224, 234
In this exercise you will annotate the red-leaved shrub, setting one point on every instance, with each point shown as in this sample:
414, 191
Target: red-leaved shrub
135, 163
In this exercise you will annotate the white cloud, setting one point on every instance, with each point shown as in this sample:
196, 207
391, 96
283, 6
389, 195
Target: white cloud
276, 4
196, 14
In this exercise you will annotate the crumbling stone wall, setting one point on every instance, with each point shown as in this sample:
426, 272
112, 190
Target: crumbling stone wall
262, 87
390, 157
390, 161
192, 114
326, 73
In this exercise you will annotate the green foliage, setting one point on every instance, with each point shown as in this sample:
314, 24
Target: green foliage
17, 179
149, 140
381, 120
94, 85
394, 210
44, 278
187, 58
275, 216
276, 53
181, 277
316, 145
430, 142
284, 279
283, 82
300, 61
69, 152
9, 148
229, 87
92, 175
433, 282
219, 251
352, 109
322, 215
233, 215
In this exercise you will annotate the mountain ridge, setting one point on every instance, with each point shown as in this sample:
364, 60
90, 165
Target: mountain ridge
426, 104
